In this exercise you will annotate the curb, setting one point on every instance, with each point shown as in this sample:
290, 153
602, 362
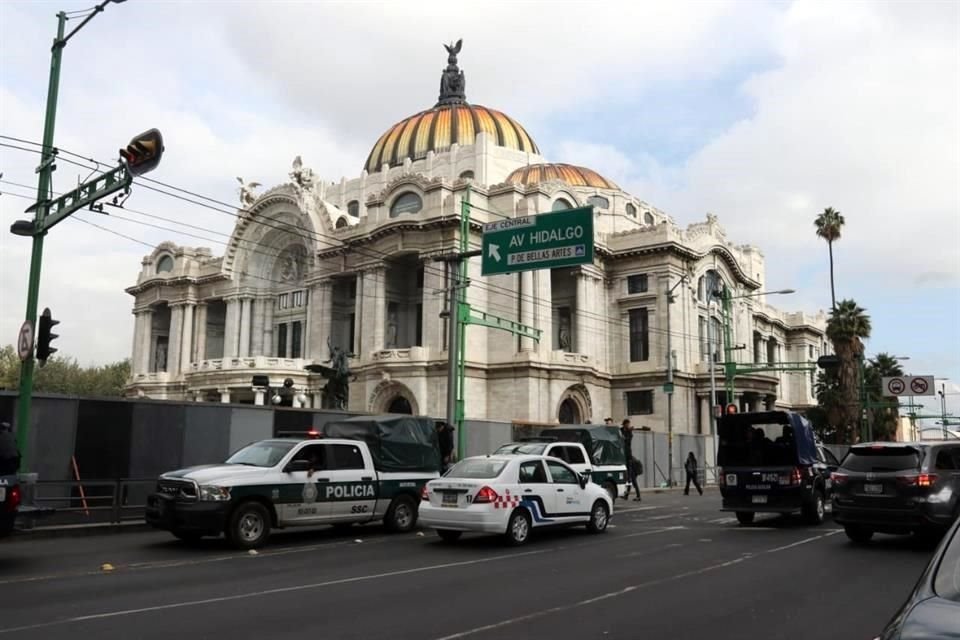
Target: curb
77, 530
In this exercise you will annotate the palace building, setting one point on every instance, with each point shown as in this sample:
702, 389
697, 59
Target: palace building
314, 264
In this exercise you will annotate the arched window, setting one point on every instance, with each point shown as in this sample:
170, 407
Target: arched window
341, 223
560, 204
599, 202
353, 208
165, 264
631, 210
466, 175
647, 217
409, 202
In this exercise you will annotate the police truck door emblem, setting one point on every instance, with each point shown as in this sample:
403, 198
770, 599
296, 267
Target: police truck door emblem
310, 492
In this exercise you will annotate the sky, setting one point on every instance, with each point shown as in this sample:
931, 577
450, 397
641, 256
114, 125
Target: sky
761, 113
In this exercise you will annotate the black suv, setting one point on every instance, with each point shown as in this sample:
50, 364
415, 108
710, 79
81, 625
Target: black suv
897, 487
770, 462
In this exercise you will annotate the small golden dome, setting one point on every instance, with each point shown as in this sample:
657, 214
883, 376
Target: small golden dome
568, 173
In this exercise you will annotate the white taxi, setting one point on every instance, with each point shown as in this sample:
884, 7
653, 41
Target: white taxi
511, 495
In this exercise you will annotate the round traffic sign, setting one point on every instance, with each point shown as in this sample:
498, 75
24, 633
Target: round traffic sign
896, 386
25, 340
919, 386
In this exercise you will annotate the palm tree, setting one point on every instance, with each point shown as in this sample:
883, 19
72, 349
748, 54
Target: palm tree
829, 223
884, 419
848, 326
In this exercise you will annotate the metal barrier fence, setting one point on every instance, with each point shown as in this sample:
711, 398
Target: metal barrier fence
68, 502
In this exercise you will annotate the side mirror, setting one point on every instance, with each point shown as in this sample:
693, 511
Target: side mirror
584, 480
297, 465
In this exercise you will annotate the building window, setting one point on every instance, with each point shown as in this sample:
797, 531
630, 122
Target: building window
639, 403
772, 348
353, 333
419, 337
639, 335
637, 283
296, 338
810, 348
165, 265
466, 175
283, 300
704, 340
599, 202
717, 338
353, 208
560, 204
757, 346
647, 217
631, 210
341, 223
563, 330
282, 340
409, 202
297, 298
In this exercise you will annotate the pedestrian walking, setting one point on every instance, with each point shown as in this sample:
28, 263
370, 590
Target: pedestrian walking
633, 465
690, 466
9, 454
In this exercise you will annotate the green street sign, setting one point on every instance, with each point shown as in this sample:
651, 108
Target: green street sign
545, 241
668, 387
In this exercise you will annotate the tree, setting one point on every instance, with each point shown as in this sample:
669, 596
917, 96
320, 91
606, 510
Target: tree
64, 375
829, 224
826, 416
847, 327
883, 419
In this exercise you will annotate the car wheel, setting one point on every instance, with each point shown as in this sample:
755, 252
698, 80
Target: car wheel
745, 517
858, 534
599, 517
518, 527
402, 515
612, 490
187, 536
815, 510
248, 526
448, 535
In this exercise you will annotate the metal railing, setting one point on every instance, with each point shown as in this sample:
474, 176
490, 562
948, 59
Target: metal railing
69, 502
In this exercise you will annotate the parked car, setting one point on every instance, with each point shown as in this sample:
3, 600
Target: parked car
932, 611
896, 487
511, 495
9, 503
770, 462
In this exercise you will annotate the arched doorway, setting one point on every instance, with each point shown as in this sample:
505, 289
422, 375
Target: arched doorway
569, 412
400, 405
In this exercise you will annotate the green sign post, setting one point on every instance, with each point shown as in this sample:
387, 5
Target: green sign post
544, 241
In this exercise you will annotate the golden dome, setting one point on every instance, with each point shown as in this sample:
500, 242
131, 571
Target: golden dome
438, 128
572, 175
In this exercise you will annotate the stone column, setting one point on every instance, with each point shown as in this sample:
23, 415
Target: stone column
200, 329
372, 296
256, 332
433, 304
186, 346
146, 341
543, 311
231, 328
224, 395
379, 311
528, 305
246, 306
581, 329
174, 345
135, 348
320, 319
268, 326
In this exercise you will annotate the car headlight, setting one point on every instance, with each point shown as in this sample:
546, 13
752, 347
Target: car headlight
217, 494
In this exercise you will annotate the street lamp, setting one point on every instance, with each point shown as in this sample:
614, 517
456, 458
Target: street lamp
943, 406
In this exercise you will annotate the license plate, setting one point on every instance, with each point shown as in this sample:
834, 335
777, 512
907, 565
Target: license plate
759, 499
449, 499
3, 494
873, 488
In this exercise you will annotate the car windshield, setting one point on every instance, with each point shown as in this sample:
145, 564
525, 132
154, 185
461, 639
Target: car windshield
881, 459
262, 454
522, 448
947, 581
757, 445
480, 468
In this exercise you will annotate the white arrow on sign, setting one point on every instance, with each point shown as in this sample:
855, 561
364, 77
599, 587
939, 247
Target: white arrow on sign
494, 252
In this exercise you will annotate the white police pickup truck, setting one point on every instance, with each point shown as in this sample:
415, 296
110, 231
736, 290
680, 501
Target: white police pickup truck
287, 482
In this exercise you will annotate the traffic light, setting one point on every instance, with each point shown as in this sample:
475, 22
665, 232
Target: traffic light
828, 362
144, 152
44, 337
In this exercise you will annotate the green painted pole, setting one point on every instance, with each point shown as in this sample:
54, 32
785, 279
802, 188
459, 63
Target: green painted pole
36, 258
459, 314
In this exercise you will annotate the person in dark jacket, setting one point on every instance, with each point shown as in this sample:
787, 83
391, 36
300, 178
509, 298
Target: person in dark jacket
9, 454
690, 466
445, 436
633, 466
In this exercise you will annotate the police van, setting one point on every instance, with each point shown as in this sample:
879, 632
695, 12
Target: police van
287, 482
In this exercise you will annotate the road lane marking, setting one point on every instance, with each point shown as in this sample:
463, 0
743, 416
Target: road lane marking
629, 589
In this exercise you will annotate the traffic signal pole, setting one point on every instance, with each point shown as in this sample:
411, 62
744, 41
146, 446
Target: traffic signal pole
47, 157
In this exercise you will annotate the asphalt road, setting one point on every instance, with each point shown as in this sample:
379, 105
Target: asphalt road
671, 567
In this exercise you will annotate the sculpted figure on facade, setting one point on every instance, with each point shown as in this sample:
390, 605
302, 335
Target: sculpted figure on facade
337, 389
302, 176
453, 84
247, 196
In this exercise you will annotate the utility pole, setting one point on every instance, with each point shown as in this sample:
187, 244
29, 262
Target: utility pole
61, 207
668, 388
